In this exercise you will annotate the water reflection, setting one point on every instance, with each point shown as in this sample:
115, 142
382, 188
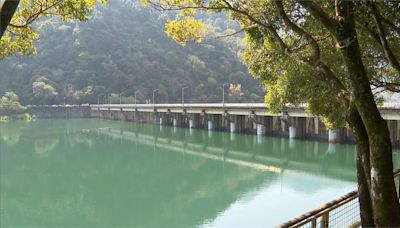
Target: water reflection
120, 174
43, 146
11, 135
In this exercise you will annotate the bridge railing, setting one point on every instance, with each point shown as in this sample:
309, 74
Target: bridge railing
342, 212
224, 105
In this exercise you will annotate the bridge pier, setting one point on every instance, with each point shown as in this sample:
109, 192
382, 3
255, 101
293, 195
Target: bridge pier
191, 123
210, 125
165, 118
214, 122
394, 128
297, 127
237, 123
292, 132
178, 120
194, 120
263, 125
333, 136
279, 127
232, 127
261, 129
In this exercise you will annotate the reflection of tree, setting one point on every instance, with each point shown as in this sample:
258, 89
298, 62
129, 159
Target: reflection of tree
11, 134
80, 139
11, 139
45, 145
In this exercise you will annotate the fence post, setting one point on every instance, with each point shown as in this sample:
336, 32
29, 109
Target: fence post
314, 223
325, 220
398, 190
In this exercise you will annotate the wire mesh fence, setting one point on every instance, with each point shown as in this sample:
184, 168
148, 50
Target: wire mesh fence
348, 215
342, 212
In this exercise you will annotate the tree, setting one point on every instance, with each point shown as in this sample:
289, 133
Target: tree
334, 55
44, 92
17, 16
10, 106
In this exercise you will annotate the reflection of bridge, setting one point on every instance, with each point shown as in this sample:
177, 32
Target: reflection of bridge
293, 155
248, 117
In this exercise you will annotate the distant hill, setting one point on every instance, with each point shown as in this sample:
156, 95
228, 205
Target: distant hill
122, 49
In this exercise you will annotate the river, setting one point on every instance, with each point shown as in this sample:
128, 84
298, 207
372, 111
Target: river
89, 172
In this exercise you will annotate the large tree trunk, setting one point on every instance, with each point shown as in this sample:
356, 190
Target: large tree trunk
363, 166
6, 13
385, 205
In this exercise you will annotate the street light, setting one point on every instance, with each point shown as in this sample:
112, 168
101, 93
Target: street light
183, 95
120, 98
69, 85
136, 92
98, 98
223, 93
154, 92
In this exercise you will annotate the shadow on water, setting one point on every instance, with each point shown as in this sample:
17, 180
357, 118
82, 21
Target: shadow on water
109, 173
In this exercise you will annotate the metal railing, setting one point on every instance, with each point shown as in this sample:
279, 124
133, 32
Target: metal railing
342, 212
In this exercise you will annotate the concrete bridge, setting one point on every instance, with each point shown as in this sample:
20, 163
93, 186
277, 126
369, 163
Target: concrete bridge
254, 118
241, 118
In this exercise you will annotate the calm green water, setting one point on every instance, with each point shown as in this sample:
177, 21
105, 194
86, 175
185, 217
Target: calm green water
116, 174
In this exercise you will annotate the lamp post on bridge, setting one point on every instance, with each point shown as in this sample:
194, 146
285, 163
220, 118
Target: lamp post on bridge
183, 95
120, 97
134, 114
98, 98
223, 94
154, 102
136, 92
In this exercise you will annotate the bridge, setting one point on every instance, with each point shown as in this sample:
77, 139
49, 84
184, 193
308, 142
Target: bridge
294, 123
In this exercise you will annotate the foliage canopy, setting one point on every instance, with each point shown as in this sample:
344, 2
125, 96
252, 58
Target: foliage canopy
21, 35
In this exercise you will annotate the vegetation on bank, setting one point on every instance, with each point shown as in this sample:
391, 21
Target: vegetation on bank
128, 53
11, 108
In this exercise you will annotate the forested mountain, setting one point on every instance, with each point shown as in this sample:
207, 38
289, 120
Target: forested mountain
123, 49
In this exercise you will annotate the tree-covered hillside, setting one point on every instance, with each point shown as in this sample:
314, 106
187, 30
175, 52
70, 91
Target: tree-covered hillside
122, 49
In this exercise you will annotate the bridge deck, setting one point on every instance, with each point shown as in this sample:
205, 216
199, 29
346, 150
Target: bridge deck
389, 111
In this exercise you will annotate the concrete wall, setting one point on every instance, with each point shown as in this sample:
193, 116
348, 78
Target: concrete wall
44, 112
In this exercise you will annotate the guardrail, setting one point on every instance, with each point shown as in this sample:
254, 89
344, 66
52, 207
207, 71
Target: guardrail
224, 105
203, 105
342, 212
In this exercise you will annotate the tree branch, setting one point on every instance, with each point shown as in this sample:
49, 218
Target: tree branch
317, 12
227, 7
36, 15
382, 37
387, 86
315, 47
388, 22
221, 36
